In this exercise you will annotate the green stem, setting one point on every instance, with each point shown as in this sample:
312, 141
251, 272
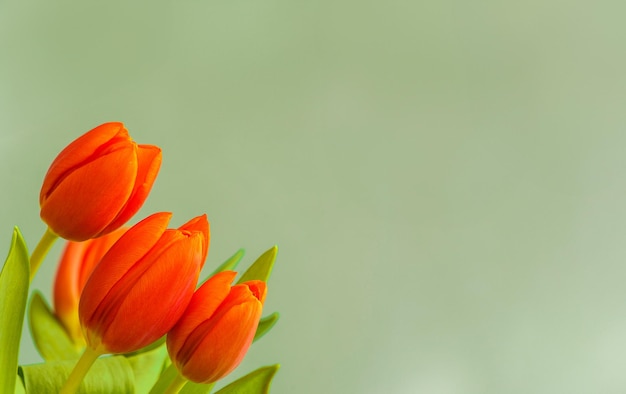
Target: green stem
80, 370
41, 250
176, 385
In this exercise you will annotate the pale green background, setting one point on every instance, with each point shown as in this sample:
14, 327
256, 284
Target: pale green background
445, 179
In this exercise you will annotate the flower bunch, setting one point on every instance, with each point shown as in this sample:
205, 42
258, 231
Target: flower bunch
131, 293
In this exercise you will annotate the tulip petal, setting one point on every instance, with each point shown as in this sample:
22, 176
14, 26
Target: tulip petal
72, 197
126, 252
238, 295
96, 249
202, 306
76, 264
224, 344
180, 265
80, 151
148, 164
257, 288
199, 223
66, 290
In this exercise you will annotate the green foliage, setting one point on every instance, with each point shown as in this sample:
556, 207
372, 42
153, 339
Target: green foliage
197, 388
189, 388
231, 263
165, 379
262, 267
107, 375
50, 337
116, 374
257, 382
147, 367
19, 386
144, 371
14, 282
266, 324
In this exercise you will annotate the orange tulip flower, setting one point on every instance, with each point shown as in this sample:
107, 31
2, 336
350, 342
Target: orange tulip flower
143, 284
216, 330
97, 183
77, 262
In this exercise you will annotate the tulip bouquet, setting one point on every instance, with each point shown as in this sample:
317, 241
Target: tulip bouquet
129, 314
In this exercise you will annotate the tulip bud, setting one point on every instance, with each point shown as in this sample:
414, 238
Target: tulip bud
77, 262
97, 183
143, 284
218, 327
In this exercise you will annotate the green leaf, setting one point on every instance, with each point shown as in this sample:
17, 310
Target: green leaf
257, 382
231, 263
197, 388
164, 380
107, 375
266, 324
147, 367
227, 265
50, 337
262, 267
14, 282
19, 386
167, 377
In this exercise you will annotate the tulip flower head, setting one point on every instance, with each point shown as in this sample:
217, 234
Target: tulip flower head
216, 330
77, 262
97, 183
143, 284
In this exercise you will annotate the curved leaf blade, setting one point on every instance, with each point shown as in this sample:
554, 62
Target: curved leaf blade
231, 263
257, 382
261, 269
197, 388
49, 335
147, 367
167, 376
266, 324
19, 386
107, 375
14, 282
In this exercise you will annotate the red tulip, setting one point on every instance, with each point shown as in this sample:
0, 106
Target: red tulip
216, 330
77, 262
143, 284
97, 183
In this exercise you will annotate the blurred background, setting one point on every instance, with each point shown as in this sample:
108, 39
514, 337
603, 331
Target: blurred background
444, 180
